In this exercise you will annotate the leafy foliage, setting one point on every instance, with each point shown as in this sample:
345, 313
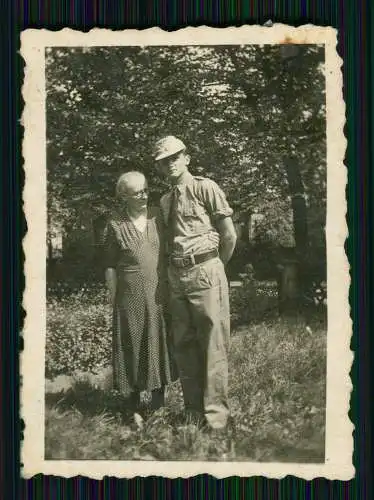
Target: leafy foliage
79, 322
78, 332
242, 111
253, 301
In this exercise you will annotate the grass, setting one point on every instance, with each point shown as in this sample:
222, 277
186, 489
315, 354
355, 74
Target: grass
277, 397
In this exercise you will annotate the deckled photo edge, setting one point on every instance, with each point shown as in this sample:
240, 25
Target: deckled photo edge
339, 440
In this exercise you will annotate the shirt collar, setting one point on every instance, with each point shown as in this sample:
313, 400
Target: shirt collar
185, 179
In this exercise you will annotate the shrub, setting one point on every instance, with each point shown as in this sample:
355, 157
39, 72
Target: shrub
78, 332
253, 301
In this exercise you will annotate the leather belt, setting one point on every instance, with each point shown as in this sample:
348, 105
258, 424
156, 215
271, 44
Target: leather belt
191, 260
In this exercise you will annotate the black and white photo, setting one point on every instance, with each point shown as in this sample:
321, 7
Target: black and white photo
186, 280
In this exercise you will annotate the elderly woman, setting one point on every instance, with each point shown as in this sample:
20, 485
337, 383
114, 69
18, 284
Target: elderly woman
141, 360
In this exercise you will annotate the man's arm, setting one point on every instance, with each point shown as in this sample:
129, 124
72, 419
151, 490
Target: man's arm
227, 233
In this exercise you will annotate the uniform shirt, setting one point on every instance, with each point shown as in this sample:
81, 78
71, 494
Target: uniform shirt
200, 203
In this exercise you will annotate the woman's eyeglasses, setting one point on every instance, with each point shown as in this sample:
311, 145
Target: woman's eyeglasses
139, 194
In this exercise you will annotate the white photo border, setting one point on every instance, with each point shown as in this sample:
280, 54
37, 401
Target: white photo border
339, 429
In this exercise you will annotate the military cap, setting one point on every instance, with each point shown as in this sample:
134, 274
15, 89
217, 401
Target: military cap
168, 146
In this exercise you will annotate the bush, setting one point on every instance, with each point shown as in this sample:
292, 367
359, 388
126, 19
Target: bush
65, 278
79, 323
78, 332
254, 300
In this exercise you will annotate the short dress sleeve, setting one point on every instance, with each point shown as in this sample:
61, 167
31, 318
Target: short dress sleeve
110, 247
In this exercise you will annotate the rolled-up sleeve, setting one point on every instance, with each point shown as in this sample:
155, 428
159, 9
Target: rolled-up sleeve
110, 247
215, 200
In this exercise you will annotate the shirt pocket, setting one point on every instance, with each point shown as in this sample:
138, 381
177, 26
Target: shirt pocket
194, 216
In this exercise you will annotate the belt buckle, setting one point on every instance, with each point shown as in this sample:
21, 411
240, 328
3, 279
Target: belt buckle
188, 260
184, 261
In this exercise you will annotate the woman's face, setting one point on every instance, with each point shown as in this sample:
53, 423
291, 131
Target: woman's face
135, 194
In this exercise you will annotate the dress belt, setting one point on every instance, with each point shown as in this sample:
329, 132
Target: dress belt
191, 260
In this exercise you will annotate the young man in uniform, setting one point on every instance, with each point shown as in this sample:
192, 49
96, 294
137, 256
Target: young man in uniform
201, 239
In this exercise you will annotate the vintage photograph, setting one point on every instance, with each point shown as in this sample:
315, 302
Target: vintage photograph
186, 255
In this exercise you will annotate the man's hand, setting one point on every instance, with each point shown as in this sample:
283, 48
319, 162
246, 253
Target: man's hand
227, 233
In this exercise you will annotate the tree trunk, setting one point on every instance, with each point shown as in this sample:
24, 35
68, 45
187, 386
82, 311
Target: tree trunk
288, 287
299, 208
293, 274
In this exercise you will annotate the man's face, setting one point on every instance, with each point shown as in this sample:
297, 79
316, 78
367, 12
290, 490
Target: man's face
174, 166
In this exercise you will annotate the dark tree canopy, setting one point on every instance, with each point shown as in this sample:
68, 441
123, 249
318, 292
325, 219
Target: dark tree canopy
243, 111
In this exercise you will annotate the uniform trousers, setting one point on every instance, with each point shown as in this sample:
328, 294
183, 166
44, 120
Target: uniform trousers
200, 321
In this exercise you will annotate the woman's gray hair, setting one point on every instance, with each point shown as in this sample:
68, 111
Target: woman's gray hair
124, 180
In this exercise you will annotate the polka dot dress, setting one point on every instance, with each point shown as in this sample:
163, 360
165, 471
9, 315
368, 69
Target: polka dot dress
141, 351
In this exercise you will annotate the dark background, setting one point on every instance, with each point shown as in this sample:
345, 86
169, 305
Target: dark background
353, 19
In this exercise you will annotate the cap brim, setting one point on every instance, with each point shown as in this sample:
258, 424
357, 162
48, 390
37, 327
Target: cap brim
161, 156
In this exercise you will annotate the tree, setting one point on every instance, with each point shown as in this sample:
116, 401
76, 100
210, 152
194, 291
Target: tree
245, 120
